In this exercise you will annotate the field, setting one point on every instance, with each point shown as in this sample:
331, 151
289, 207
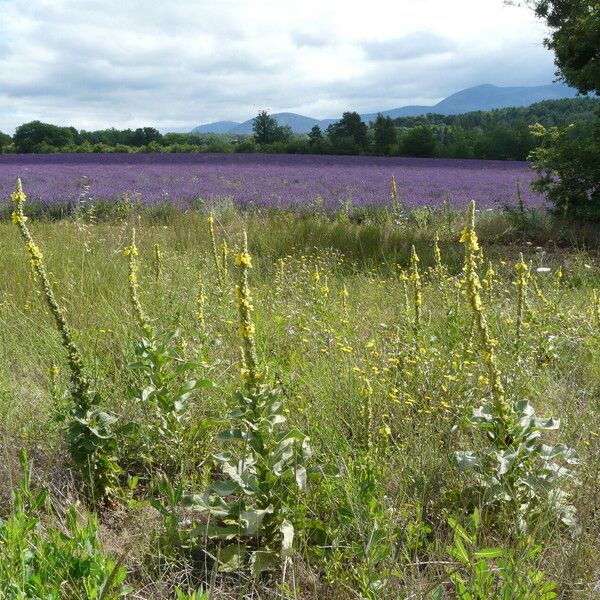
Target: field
414, 412
59, 182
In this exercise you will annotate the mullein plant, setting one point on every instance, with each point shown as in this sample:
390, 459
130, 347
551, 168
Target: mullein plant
596, 308
396, 204
91, 435
251, 501
522, 282
404, 278
515, 470
163, 395
225, 258
201, 306
415, 277
213, 243
157, 261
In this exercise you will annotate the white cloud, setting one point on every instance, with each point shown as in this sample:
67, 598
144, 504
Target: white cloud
184, 62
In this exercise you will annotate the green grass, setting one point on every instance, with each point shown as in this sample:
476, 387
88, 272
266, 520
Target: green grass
375, 523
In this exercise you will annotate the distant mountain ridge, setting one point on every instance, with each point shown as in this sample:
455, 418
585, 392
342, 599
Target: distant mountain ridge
481, 97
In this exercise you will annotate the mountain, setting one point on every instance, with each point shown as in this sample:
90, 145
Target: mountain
217, 127
298, 123
481, 97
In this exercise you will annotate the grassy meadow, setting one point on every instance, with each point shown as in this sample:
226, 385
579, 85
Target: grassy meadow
348, 461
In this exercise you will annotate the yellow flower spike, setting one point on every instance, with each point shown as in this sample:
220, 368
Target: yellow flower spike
523, 276
469, 239
243, 259
79, 380
224, 257
416, 280
246, 327
396, 204
211, 230
200, 304
132, 252
157, 261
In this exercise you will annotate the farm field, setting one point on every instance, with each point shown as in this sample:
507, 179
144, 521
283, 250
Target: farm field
414, 410
62, 181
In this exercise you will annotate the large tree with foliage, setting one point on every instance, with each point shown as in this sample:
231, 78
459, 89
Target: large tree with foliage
267, 130
349, 131
575, 40
42, 137
385, 135
419, 141
5, 141
568, 159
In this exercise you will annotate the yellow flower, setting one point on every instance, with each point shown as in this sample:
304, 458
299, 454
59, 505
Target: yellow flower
246, 330
243, 259
17, 218
18, 196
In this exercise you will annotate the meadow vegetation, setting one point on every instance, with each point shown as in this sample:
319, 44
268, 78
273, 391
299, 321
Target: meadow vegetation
266, 404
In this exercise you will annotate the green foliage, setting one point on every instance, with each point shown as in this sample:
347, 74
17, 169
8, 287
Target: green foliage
252, 508
484, 573
498, 134
349, 134
568, 163
384, 135
164, 398
5, 142
42, 137
376, 525
370, 537
267, 130
38, 561
418, 141
517, 470
575, 40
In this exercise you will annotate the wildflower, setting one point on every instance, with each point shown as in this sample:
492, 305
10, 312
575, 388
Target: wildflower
243, 259
246, 328
211, 230
416, 280
469, 239
132, 252
157, 261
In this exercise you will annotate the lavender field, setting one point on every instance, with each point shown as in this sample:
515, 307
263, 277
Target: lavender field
264, 180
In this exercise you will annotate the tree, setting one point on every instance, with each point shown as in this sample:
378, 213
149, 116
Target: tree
350, 130
5, 141
145, 135
568, 164
38, 137
315, 135
268, 131
419, 141
385, 134
575, 40
568, 158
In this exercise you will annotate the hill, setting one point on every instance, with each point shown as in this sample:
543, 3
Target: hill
479, 98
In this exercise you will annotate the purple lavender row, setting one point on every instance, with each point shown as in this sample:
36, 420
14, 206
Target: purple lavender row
265, 180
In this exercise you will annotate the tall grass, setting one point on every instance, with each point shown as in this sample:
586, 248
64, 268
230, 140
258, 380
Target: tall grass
393, 378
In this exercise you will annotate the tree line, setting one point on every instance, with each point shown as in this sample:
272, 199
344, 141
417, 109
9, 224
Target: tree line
502, 134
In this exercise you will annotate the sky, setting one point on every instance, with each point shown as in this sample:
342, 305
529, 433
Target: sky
180, 63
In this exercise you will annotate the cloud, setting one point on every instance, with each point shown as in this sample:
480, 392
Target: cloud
414, 45
104, 63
